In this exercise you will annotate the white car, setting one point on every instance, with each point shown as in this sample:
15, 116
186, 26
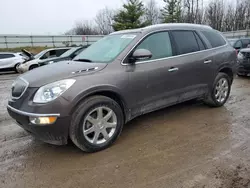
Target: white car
34, 60
10, 61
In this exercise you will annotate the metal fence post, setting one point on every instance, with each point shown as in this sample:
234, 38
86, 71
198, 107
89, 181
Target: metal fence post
53, 41
31, 39
6, 43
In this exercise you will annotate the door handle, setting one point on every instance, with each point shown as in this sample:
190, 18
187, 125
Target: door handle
173, 69
207, 61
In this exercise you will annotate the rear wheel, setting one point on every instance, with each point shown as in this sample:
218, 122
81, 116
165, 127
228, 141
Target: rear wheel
220, 92
33, 67
96, 124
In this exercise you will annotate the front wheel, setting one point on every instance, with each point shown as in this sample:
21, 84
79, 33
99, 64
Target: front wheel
220, 92
96, 123
33, 67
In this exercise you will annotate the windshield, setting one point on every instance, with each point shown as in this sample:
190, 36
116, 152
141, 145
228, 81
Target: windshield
69, 52
232, 42
106, 49
39, 54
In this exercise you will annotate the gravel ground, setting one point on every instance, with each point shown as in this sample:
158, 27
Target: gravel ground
188, 145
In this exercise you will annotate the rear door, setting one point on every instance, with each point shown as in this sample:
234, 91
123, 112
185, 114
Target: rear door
192, 63
6, 60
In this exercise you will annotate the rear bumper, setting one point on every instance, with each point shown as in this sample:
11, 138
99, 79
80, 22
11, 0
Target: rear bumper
56, 133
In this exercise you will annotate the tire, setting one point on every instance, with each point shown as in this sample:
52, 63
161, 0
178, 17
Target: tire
15, 67
79, 122
211, 99
33, 67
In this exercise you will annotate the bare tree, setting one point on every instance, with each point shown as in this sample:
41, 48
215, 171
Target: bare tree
193, 11
215, 14
84, 28
152, 12
104, 19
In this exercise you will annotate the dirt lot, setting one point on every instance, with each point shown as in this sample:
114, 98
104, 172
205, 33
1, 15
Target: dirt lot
188, 145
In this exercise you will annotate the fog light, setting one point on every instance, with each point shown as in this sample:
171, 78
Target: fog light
43, 120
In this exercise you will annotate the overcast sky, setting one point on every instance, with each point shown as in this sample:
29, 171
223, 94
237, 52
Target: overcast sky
48, 16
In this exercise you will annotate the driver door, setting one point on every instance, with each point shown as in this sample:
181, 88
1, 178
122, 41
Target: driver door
153, 83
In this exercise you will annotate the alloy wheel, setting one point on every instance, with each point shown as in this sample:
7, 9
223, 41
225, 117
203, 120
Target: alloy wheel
221, 90
99, 125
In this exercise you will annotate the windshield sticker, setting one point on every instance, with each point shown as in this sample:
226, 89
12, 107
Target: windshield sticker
128, 36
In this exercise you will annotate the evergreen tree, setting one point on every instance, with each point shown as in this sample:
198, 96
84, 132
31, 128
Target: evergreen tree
171, 13
131, 16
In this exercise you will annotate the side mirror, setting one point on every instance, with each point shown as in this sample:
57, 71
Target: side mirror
141, 54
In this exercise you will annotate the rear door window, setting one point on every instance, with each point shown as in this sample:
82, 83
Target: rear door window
60, 52
158, 44
6, 56
214, 38
200, 42
245, 43
186, 42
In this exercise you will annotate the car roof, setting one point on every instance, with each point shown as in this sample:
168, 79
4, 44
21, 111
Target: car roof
181, 26
7, 53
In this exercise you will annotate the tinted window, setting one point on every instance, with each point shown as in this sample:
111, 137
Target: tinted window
59, 52
5, 56
185, 42
214, 38
200, 43
158, 44
245, 42
238, 44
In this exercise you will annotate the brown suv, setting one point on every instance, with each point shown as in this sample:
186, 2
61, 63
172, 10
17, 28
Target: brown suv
124, 75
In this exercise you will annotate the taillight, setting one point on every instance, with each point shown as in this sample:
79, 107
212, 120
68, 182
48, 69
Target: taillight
236, 52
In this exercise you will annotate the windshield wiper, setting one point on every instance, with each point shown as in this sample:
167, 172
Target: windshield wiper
83, 60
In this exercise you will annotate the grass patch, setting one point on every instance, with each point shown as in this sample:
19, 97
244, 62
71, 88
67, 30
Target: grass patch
34, 50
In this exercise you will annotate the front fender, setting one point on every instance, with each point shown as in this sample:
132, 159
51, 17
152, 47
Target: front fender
97, 90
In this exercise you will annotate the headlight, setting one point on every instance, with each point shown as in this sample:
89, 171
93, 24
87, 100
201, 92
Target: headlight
51, 62
52, 91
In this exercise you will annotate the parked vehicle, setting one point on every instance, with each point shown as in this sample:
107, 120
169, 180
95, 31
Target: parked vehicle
45, 54
239, 43
9, 61
68, 55
244, 62
122, 76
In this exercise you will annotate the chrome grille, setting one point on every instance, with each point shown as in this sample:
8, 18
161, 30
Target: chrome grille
18, 88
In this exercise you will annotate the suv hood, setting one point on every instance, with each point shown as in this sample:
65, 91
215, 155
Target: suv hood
67, 69
245, 50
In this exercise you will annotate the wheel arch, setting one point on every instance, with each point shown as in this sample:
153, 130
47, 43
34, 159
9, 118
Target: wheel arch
110, 93
228, 71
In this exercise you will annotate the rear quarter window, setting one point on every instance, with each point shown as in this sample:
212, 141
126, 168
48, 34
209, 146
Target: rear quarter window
5, 56
214, 38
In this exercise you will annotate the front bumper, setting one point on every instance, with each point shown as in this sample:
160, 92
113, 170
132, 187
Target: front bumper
56, 133
21, 68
